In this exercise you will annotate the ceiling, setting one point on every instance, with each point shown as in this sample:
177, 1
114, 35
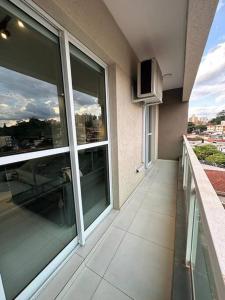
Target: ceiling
155, 28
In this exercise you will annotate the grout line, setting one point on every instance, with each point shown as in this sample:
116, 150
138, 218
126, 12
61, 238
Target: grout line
158, 213
104, 279
118, 289
152, 242
145, 182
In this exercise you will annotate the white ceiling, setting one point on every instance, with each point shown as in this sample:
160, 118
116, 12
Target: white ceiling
155, 28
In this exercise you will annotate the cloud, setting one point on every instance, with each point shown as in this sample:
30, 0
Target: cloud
86, 104
212, 65
220, 5
206, 111
210, 81
83, 98
23, 97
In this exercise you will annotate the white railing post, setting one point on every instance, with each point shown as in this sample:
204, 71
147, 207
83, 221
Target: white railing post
183, 153
185, 172
191, 200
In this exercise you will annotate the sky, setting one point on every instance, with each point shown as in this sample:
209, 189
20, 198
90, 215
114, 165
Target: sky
208, 94
23, 97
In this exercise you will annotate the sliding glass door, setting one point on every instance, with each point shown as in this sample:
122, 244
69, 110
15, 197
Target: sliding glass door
37, 215
54, 149
89, 97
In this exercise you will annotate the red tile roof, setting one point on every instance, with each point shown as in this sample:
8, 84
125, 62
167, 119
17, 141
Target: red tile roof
217, 179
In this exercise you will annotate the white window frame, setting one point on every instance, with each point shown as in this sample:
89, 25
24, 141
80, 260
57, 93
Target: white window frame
33, 10
147, 133
153, 134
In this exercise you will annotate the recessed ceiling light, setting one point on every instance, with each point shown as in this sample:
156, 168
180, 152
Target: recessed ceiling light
20, 24
4, 35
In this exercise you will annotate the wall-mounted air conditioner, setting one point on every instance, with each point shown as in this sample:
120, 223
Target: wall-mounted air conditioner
149, 83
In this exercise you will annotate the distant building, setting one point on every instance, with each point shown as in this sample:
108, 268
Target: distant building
217, 128
193, 119
198, 120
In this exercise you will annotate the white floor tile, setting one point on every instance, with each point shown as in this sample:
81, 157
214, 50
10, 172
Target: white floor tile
106, 291
141, 269
161, 205
154, 227
101, 257
125, 218
55, 286
95, 236
83, 286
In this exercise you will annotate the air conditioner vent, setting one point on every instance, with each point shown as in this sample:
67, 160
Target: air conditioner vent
149, 82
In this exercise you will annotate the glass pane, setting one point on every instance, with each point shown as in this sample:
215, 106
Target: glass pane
201, 268
93, 164
37, 218
88, 80
149, 119
32, 110
149, 148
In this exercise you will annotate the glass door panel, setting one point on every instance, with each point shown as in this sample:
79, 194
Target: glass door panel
32, 110
88, 81
37, 218
94, 179
37, 214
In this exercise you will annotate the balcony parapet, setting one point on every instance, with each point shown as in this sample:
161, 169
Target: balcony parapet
205, 222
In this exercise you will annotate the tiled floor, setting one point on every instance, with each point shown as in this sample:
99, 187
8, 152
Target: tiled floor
134, 257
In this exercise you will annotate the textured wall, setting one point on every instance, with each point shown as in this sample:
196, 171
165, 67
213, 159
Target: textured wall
91, 23
173, 118
130, 137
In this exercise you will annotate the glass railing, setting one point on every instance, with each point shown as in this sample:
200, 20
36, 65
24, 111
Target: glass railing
205, 249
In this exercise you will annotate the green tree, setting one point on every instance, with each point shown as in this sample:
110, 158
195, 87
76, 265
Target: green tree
204, 151
216, 158
191, 127
219, 117
201, 128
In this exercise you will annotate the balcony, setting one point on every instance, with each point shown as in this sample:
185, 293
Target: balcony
143, 252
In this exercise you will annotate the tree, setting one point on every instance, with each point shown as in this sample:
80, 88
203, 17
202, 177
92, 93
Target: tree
217, 158
191, 127
219, 117
204, 151
221, 113
201, 128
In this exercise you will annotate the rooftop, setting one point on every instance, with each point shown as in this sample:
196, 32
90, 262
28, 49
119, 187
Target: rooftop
217, 179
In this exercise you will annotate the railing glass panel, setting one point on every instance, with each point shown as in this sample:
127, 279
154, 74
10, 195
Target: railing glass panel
200, 264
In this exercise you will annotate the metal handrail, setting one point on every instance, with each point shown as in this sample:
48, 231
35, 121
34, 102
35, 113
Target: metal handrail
212, 215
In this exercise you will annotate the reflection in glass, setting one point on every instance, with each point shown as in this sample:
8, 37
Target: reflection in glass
93, 164
32, 113
88, 80
37, 218
149, 119
202, 275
